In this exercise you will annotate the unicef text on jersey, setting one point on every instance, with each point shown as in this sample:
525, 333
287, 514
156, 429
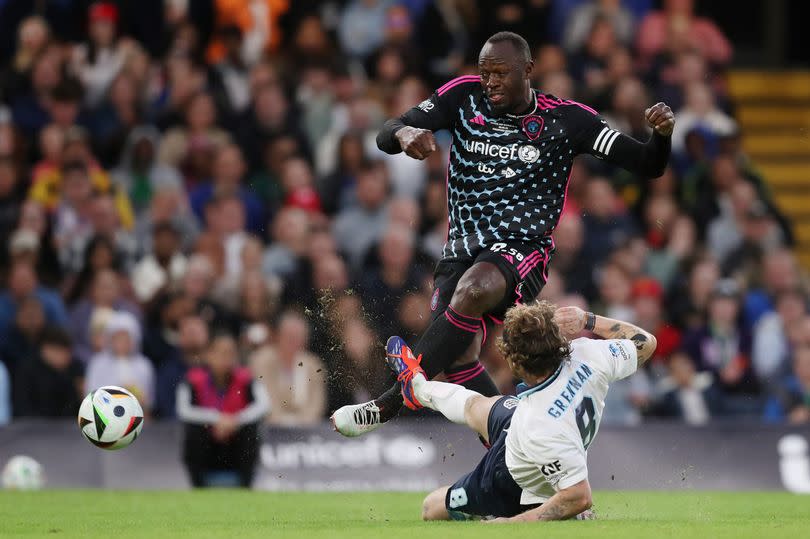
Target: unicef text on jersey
526, 153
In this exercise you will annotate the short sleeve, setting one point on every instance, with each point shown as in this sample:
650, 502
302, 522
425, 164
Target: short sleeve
562, 462
617, 358
439, 110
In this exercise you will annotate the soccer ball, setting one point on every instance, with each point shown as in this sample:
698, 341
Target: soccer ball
110, 417
23, 473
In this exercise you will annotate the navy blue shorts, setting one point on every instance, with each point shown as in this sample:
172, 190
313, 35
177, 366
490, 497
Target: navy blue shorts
489, 489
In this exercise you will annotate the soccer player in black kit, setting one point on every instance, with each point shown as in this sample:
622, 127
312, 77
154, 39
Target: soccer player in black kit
510, 160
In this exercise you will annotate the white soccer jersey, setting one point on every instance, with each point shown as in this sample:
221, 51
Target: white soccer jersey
556, 421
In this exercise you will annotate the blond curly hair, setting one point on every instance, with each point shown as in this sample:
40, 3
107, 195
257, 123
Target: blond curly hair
531, 341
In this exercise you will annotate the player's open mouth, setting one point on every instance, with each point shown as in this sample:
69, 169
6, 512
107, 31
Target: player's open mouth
495, 98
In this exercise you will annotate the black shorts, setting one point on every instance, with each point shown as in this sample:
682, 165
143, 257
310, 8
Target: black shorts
489, 490
523, 265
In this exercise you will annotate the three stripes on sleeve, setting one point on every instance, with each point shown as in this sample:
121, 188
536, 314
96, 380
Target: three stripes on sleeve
604, 142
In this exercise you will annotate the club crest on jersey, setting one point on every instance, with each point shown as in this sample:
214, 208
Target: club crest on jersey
532, 126
434, 301
528, 154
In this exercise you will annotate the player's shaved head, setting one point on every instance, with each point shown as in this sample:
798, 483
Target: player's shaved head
520, 45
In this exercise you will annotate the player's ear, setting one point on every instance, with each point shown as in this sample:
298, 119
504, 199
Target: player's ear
529, 68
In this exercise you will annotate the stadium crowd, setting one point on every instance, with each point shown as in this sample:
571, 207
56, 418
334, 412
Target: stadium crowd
181, 180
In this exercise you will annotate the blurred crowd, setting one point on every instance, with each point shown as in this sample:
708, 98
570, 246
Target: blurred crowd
190, 191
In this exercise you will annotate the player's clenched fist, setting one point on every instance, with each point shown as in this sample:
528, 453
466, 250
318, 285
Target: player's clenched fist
416, 143
661, 118
571, 320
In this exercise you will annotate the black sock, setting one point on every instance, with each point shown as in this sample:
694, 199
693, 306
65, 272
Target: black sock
444, 341
474, 377
390, 403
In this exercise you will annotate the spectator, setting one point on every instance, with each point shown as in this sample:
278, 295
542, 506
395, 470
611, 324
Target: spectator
677, 28
357, 228
23, 284
760, 235
163, 268
686, 394
363, 373
114, 119
283, 257
690, 298
168, 204
105, 293
607, 225
779, 272
583, 19
615, 289
723, 348
791, 401
771, 354
725, 231
200, 133
99, 61
138, 173
648, 296
293, 376
221, 406
298, 186
49, 384
258, 22
31, 109
121, 362
104, 223
257, 300
700, 108
232, 70
338, 189
33, 36
22, 341
362, 27
49, 189
192, 342
384, 288
589, 64
269, 116
99, 254
226, 184
569, 237
664, 262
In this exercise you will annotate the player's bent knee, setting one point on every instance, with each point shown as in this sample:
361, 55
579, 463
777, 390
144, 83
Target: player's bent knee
481, 288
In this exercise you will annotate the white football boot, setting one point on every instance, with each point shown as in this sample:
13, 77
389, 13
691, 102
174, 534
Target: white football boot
357, 419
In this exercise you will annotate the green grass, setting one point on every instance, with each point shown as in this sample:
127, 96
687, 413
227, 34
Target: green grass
225, 514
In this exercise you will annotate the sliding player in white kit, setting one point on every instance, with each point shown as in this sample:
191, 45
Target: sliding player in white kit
536, 466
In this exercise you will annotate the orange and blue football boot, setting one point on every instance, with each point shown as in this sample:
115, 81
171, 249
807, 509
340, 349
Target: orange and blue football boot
401, 360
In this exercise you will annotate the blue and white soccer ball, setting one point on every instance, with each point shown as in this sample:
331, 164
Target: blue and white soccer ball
23, 473
110, 417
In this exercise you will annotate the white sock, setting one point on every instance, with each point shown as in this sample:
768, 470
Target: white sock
447, 399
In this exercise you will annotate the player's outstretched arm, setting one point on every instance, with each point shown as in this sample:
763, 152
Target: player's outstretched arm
566, 503
412, 132
572, 320
648, 159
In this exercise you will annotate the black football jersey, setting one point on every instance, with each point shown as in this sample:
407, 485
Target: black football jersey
508, 175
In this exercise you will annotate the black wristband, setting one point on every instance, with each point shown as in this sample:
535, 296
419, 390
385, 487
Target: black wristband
590, 321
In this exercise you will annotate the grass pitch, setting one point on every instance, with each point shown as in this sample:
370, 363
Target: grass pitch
227, 513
